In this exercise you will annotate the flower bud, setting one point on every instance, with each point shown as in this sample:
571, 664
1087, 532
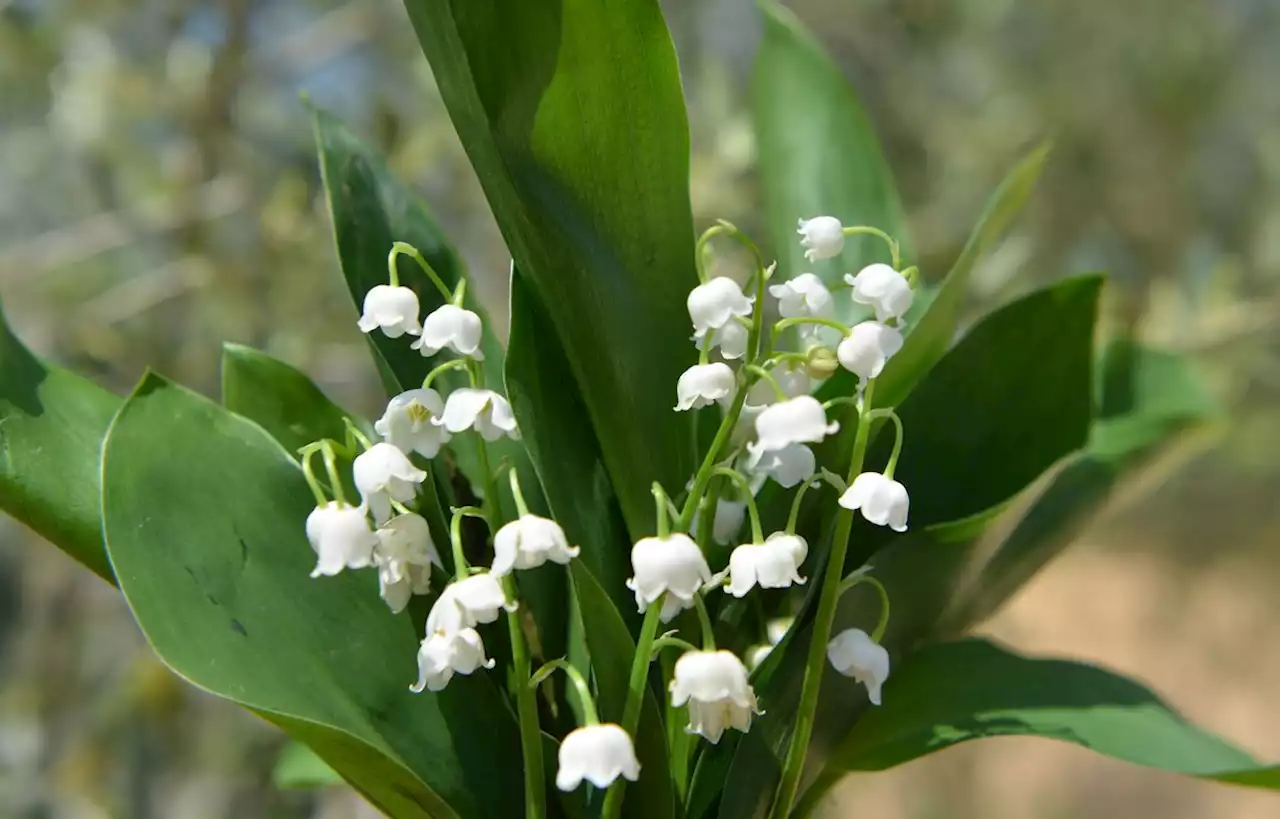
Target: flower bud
822, 362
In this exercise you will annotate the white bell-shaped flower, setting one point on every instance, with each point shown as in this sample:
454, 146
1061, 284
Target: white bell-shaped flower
341, 538
453, 327
485, 411
703, 384
383, 474
788, 466
774, 564
731, 339
407, 423
727, 522
394, 309
714, 304
803, 296
801, 420
467, 603
404, 558
672, 565
868, 347
790, 375
854, 654
884, 289
597, 753
442, 655
714, 684
883, 501
528, 542
822, 237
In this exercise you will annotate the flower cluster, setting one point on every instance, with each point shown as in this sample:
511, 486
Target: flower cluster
771, 423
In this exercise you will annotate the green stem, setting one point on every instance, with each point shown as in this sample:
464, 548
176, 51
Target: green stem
635, 697
522, 508
331, 466
722, 228
307, 472
460, 293
451, 364
865, 230
579, 683
796, 321
793, 767
526, 697
897, 440
661, 508
460, 568
794, 517
757, 531
673, 642
355, 436
707, 467
535, 802
773, 382
883, 622
404, 248
704, 621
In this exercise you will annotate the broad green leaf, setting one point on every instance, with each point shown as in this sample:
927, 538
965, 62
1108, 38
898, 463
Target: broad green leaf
203, 514
52, 423
819, 154
279, 398
990, 691
935, 314
300, 767
612, 648
1148, 398
573, 116
565, 452
1011, 399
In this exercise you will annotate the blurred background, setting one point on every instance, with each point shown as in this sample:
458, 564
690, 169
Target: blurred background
158, 194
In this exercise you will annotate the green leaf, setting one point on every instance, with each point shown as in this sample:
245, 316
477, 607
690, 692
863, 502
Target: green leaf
573, 116
1148, 399
52, 423
819, 154
557, 434
612, 648
203, 516
935, 314
279, 398
1011, 399
990, 691
300, 767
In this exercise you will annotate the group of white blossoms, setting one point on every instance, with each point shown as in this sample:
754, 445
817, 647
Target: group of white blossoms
670, 569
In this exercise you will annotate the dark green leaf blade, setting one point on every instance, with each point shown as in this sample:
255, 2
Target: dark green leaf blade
203, 516
990, 691
52, 423
279, 398
611, 647
1011, 399
558, 436
819, 154
572, 114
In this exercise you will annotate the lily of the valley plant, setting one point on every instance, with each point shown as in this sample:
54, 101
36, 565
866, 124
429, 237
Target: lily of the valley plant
703, 536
